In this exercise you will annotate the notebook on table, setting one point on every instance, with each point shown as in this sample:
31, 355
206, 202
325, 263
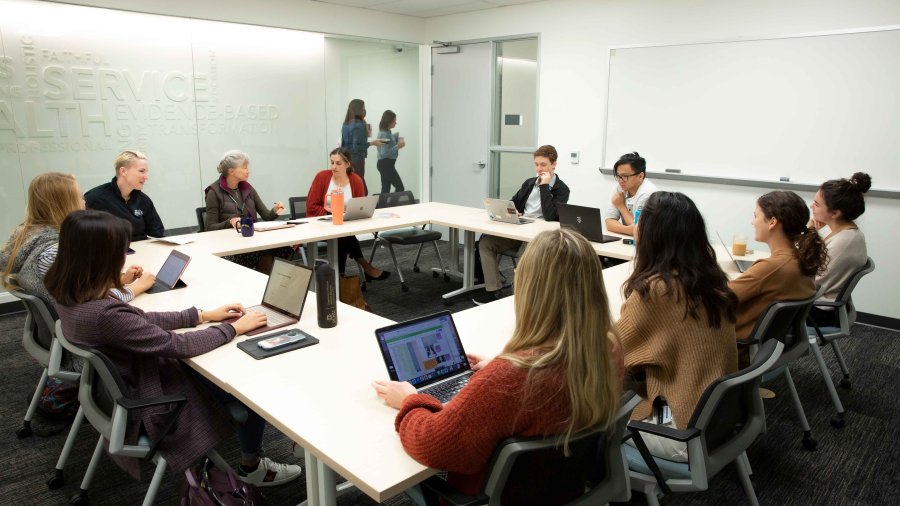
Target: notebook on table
587, 221
742, 265
284, 297
169, 275
357, 208
427, 353
505, 211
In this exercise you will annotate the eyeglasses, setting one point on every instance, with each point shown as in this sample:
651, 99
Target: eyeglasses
623, 177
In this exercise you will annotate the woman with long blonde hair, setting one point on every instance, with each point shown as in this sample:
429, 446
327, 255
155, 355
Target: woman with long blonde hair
557, 374
31, 249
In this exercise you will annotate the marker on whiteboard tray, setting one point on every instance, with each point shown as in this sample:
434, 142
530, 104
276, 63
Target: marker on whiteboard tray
673, 171
784, 179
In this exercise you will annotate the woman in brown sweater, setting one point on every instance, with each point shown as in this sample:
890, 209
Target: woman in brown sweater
677, 322
798, 254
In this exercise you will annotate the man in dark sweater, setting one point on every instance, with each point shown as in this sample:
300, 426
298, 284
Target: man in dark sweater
122, 197
537, 199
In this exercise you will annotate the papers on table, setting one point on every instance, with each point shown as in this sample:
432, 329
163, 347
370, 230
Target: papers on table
180, 240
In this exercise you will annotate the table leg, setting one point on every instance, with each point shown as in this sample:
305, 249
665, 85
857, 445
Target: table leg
468, 266
327, 490
332, 255
453, 268
312, 478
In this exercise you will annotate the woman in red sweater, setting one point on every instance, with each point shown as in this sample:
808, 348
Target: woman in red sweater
318, 203
556, 375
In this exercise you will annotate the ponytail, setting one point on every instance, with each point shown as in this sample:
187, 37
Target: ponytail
812, 252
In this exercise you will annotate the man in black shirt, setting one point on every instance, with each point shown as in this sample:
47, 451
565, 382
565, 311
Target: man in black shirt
122, 197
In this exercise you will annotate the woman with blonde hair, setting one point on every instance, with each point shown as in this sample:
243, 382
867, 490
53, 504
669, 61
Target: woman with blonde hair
124, 197
558, 374
31, 249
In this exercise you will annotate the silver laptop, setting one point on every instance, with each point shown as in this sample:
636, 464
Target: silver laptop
587, 221
169, 275
357, 208
505, 211
284, 296
426, 352
742, 265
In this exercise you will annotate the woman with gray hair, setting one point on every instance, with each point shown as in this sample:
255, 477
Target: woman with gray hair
230, 198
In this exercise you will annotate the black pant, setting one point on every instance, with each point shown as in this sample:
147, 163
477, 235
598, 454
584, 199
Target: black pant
824, 317
359, 167
389, 176
347, 246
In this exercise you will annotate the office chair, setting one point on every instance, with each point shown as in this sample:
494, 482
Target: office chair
406, 236
727, 420
845, 316
103, 396
522, 469
39, 340
201, 218
786, 322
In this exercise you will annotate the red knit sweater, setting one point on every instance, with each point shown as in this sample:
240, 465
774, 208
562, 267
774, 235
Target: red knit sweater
315, 200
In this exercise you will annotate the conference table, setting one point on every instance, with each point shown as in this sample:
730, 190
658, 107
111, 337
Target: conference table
320, 396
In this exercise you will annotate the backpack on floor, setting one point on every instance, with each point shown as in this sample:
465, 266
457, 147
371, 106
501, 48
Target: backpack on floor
59, 400
205, 485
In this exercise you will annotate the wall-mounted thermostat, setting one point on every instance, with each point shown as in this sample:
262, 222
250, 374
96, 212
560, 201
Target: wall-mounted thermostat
573, 157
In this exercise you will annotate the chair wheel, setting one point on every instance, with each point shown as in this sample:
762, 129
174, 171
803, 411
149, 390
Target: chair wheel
80, 500
435, 274
446, 278
838, 421
404, 287
57, 481
24, 431
416, 268
809, 443
845, 383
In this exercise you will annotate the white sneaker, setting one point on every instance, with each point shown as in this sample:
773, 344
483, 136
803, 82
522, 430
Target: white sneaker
270, 474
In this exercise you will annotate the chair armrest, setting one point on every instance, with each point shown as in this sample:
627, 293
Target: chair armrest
826, 303
663, 431
747, 342
127, 403
180, 402
435, 488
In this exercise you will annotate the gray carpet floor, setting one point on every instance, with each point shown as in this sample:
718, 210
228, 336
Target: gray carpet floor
859, 464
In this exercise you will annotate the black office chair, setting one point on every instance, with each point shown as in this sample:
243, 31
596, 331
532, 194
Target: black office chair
406, 236
531, 470
201, 218
786, 322
727, 420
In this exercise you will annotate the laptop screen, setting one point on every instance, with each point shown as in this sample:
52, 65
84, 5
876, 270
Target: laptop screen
172, 268
423, 350
287, 287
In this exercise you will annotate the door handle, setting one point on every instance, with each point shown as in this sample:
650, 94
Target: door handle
481, 164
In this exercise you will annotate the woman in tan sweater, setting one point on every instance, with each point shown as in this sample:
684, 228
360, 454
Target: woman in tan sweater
677, 322
798, 254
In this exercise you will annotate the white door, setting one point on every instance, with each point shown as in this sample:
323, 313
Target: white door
461, 129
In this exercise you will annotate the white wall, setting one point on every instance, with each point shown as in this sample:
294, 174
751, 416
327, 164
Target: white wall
575, 36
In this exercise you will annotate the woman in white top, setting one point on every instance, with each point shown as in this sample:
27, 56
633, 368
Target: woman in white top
837, 203
318, 203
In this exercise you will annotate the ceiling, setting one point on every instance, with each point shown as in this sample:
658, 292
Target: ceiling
427, 8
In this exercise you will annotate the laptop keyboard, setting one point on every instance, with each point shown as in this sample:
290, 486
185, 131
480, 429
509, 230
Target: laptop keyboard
446, 390
273, 318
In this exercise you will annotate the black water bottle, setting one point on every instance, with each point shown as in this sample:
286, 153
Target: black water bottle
326, 295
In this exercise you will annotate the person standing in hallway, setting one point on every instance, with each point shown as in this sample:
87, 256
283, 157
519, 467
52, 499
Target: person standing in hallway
354, 136
387, 153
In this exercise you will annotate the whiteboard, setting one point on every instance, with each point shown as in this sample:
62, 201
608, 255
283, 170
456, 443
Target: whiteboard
808, 107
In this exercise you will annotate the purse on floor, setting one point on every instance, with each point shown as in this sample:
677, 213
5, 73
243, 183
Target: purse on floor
350, 292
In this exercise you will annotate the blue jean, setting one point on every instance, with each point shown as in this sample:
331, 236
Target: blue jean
250, 433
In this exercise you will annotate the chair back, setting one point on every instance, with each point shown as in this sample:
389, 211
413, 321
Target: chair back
297, 206
201, 218
730, 413
37, 337
785, 322
536, 470
844, 296
395, 199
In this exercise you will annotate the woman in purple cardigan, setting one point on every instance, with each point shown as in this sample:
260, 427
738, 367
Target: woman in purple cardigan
147, 353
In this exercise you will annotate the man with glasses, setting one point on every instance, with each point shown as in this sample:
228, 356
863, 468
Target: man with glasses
630, 195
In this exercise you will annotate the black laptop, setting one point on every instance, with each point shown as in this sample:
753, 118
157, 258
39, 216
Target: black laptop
588, 221
169, 275
426, 352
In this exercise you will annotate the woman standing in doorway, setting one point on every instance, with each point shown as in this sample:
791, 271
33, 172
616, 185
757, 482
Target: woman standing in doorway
354, 136
387, 153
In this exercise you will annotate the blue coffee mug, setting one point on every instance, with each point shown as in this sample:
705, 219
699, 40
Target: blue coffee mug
247, 226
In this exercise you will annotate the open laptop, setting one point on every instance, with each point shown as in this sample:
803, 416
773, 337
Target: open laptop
505, 211
742, 265
587, 221
426, 352
284, 297
357, 208
169, 275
